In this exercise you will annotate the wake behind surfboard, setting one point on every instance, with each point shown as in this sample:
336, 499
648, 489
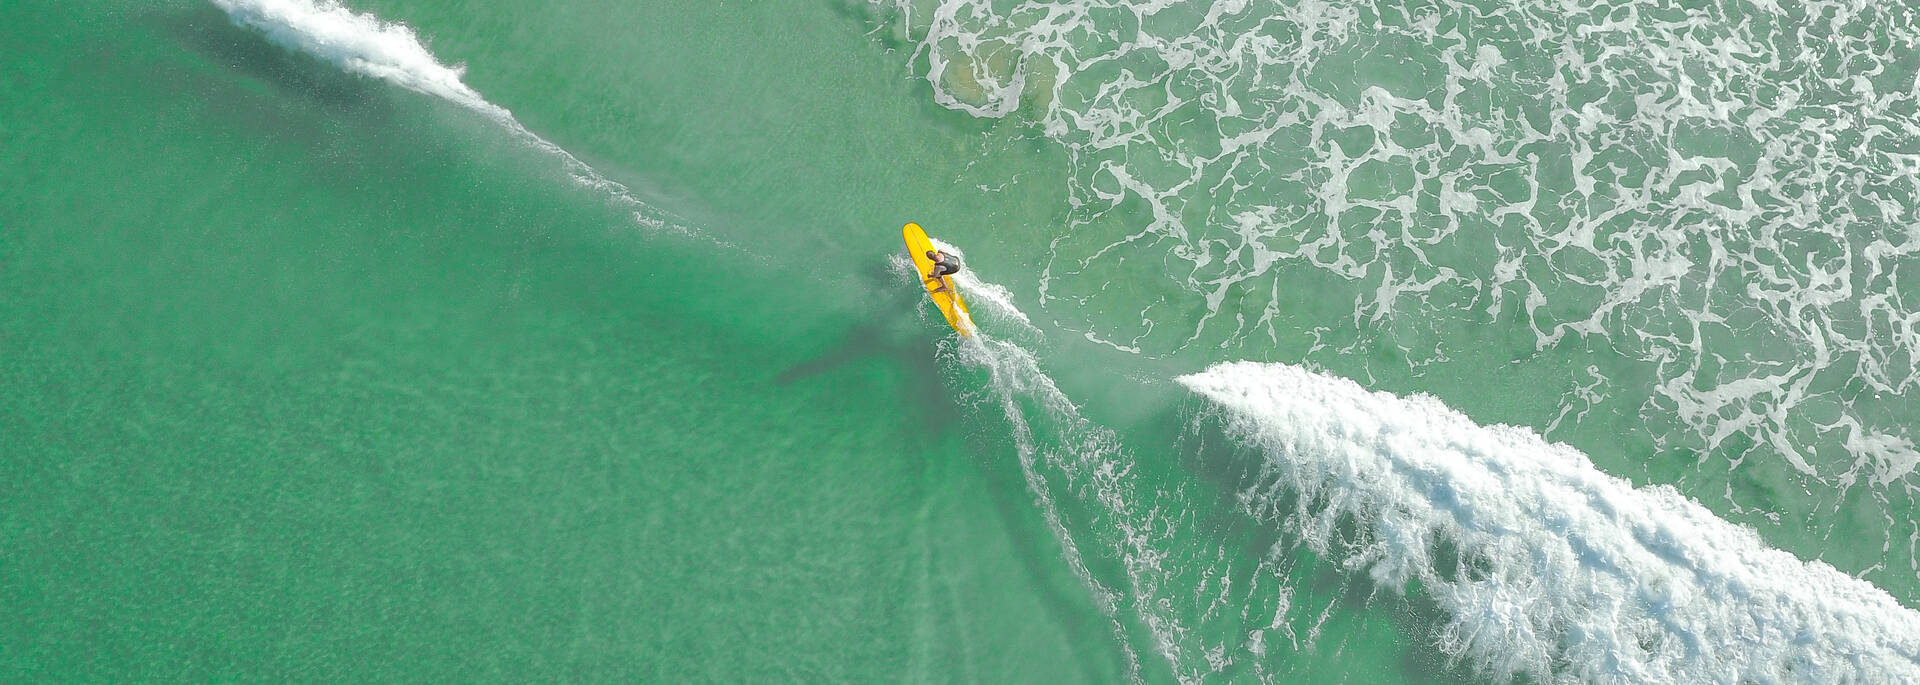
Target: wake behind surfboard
942, 291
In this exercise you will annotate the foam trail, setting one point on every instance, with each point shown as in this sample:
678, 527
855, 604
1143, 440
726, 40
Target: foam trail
1071, 466
1206, 616
1564, 573
995, 297
363, 44
1014, 377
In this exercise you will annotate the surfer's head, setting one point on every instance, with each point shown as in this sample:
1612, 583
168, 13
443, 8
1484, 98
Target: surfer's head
933, 254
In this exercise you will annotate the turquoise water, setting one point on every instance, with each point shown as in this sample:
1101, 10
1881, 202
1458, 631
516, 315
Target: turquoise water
1440, 342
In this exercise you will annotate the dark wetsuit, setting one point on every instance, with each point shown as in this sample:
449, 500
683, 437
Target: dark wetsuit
943, 265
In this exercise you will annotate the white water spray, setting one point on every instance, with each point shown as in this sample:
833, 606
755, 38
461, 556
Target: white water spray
980, 295
1564, 572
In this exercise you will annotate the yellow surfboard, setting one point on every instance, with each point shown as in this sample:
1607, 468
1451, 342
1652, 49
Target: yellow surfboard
948, 299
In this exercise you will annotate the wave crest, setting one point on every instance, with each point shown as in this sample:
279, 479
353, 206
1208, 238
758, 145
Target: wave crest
1545, 565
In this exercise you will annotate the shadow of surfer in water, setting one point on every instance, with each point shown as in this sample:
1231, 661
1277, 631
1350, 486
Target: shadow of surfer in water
901, 324
889, 330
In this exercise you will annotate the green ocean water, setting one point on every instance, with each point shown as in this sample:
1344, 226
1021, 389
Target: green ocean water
310, 375
413, 411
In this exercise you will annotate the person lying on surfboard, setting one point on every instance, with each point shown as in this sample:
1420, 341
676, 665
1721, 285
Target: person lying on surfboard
943, 265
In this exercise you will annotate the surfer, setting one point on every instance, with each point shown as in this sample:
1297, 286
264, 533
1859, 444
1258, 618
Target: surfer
938, 266
944, 265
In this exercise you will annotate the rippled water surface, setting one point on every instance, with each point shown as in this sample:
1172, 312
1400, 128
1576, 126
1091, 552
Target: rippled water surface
1421, 342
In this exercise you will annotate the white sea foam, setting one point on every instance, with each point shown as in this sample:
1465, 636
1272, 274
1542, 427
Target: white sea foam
1556, 569
364, 44
993, 297
1722, 197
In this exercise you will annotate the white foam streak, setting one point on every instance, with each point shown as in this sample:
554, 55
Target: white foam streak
981, 295
994, 298
364, 44
358, 42
1016, 380
1084, 486
1564, 572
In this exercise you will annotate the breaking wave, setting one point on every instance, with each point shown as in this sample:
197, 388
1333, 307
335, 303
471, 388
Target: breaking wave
364, 44
1546, 566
